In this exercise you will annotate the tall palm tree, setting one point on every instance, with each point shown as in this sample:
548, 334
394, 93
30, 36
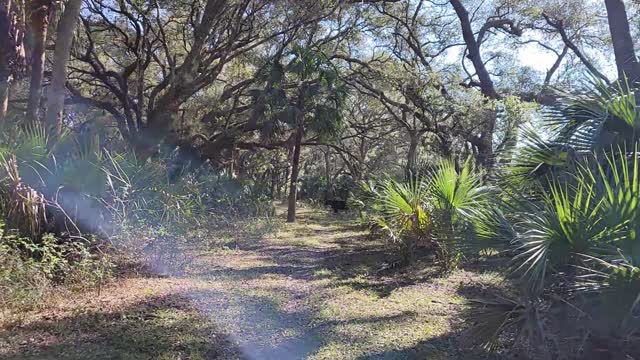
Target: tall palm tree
305, 97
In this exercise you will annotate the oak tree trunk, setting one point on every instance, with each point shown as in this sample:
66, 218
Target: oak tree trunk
412, 155
473, 48
39, 12
64, 38
626, 60
485, 147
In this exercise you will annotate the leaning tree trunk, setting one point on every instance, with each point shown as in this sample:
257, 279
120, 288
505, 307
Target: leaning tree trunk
486, 84
485, 148
64, 38
626, 60
295, 168
39, 12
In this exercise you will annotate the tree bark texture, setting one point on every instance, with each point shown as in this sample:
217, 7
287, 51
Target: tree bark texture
64, 39
7, 55
39, 14
626, 60
486, 84
412, 155
5, 47
485, 142
295, 168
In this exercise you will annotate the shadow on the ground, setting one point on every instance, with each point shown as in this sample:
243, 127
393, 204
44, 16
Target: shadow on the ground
268, 332
347, 254
436, 348
158, 327
262, 329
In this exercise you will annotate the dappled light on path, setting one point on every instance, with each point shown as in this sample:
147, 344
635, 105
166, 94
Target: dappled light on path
317, 289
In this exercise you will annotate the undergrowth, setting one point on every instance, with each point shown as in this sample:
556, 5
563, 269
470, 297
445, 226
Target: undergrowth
30, 270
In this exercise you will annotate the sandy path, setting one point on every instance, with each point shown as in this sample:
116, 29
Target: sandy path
313, 290
264, 293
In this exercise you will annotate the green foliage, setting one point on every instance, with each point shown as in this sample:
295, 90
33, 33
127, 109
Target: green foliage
305, 93
439, 210
314, 188
405, 215
458, 194
593, 213
343, 186
459, 200
73, 188
29, 269
140, 190
569, 208
23, 207
603, 116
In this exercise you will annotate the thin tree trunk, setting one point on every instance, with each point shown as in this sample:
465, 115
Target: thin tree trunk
626, 60
274, 181
412, 155
509, 144
484, 146
6, 47
4, 100
327, 171
293, 190
233, 163
287, 172
39, 13
279, 183
64, 39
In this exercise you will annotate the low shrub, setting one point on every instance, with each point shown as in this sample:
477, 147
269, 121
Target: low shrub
29, 269
438, 211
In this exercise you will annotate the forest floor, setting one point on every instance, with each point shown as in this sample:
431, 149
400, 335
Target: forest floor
316, 289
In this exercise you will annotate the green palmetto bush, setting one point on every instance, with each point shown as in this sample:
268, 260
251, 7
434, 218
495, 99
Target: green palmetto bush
73, 186
594, 213
405, 215
439, 210
31, 147
63, 189
603, 116
569, 208
459, 200
141, 191
25, 163
575, 249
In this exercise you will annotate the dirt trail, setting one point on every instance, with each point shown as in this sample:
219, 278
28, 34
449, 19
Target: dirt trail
265, 292
312, 290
